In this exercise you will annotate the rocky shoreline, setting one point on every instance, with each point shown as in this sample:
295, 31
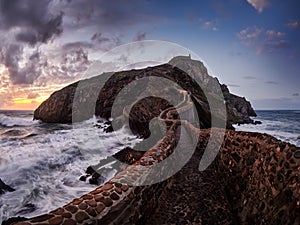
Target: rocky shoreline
58, 108
254, 178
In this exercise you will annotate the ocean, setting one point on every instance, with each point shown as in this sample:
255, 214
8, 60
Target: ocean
282, 124
44, 162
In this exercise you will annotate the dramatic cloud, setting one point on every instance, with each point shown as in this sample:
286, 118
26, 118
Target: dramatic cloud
106, 15
264, 41
69, 66
28, 26
294, 24
259, 5
12, 57
25, 24
33, 19
103, 43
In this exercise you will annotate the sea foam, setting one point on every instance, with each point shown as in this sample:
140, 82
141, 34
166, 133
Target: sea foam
10, 121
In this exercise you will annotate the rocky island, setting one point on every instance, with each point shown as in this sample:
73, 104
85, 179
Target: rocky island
254, 178
58, 108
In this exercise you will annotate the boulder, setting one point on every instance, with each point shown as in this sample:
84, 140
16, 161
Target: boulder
4, 188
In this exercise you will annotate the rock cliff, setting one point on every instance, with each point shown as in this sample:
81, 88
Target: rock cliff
58, 107
239, 110
254, 178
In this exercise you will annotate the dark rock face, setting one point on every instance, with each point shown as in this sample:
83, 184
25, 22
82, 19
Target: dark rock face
239, 110
58, 107
96, 173
14, 220
4, 188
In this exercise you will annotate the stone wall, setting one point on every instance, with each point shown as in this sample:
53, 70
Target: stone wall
118, 201
262, 178
260, 175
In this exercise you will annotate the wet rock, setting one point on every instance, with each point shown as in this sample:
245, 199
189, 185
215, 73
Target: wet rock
83, 178
71, 208
14, 220
81, 216
28, 208
128, 155
114, 196
97, 179
297, 154
4, 188
58, 107
239, 110
97, 172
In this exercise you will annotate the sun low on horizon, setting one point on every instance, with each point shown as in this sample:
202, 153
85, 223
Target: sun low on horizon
252, 46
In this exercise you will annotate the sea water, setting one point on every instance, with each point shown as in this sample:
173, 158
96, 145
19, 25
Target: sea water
43, 162
282, 124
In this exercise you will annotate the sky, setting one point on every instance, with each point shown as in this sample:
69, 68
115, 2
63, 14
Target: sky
251, 45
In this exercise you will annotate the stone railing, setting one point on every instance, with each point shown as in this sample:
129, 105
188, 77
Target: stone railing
117, 201
259, 173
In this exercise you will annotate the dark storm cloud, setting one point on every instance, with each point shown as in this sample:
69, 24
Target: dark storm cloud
104, 43
108, 15
25, 23
75, 56
33, 18
45, 33
11, 55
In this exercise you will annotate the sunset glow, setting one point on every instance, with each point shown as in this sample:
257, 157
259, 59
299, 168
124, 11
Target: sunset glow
252, 46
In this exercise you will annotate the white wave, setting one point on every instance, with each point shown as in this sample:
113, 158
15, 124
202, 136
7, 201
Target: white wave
45, 170
277, 129
10, 121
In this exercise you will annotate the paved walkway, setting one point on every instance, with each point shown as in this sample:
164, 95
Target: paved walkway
193, 198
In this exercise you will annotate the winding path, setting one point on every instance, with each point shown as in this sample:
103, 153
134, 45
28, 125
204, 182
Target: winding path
254, 180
